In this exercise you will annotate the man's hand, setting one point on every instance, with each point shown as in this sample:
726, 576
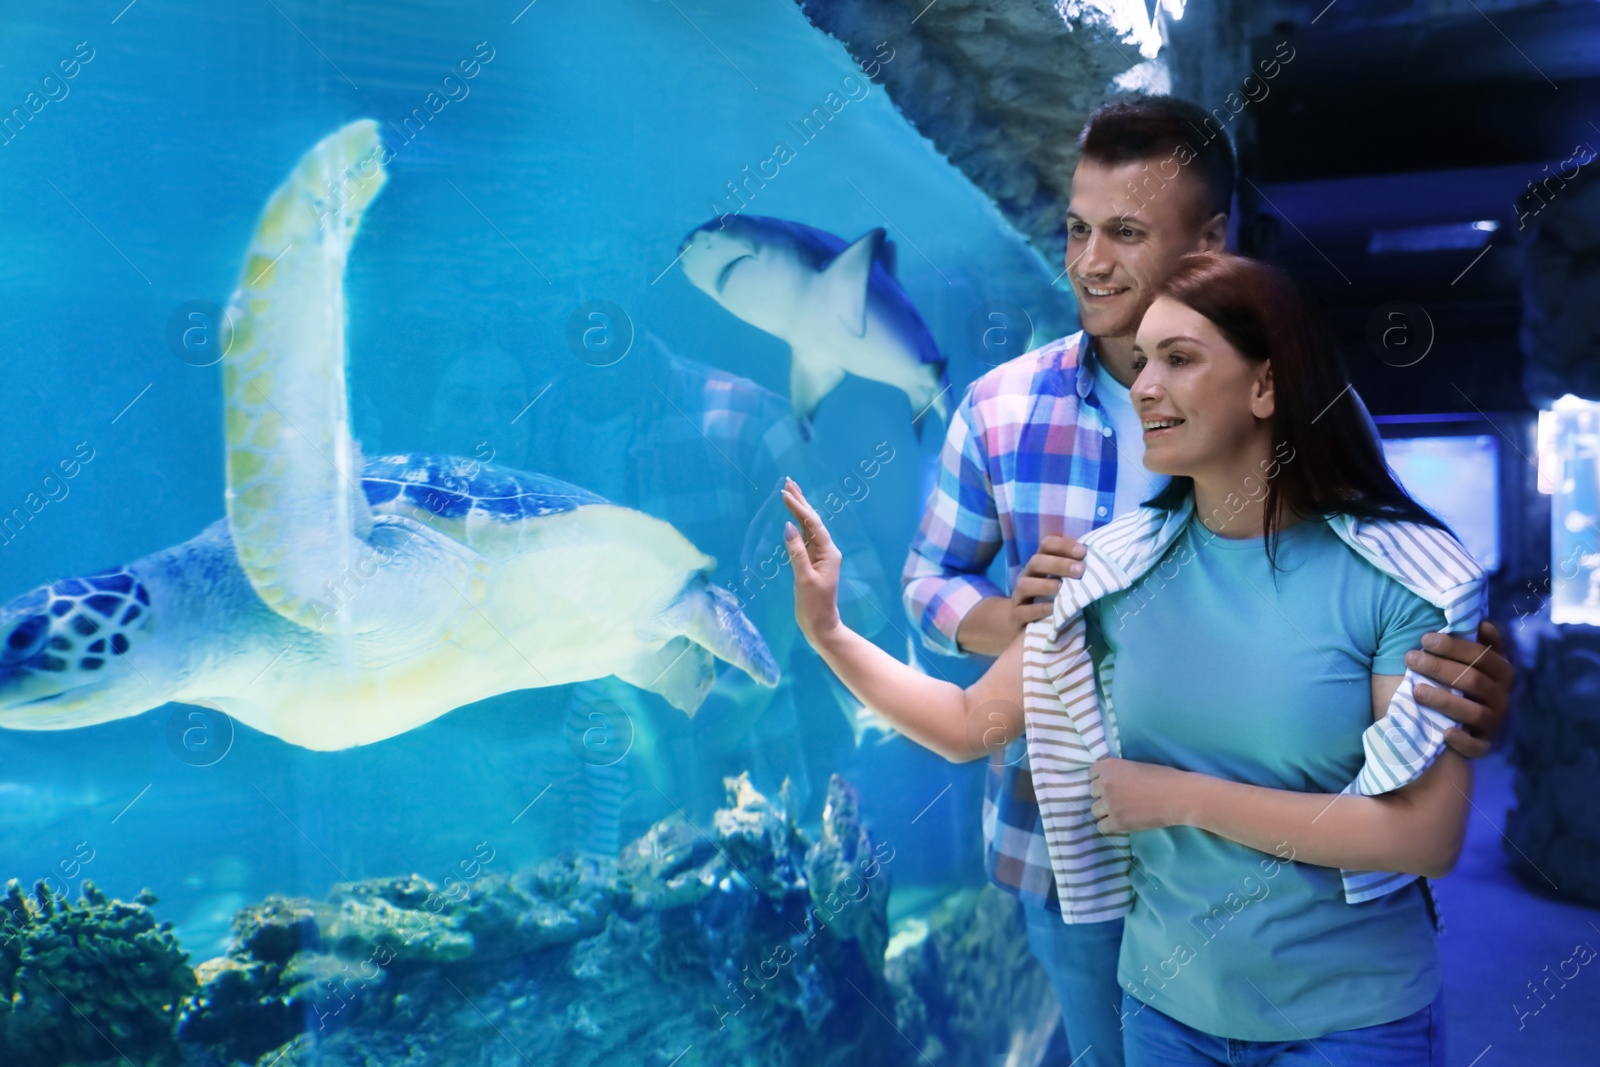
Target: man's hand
995, 621
1058, 557
1480, 671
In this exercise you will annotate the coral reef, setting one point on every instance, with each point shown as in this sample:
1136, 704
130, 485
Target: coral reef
87, 983
747, 943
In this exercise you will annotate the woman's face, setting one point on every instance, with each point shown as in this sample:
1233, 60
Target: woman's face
476, 407
1210, 402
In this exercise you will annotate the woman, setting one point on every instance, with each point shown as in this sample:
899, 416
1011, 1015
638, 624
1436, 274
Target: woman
1286, 574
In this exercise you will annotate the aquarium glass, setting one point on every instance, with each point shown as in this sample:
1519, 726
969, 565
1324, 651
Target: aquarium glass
324, 320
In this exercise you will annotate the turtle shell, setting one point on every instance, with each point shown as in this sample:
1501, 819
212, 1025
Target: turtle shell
454, 488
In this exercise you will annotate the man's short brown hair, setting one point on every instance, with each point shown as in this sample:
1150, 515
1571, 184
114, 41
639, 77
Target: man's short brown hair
1162, 127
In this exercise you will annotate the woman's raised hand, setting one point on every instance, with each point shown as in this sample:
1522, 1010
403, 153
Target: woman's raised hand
815, 559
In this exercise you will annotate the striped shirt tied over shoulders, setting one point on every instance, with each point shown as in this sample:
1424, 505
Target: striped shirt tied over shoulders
1067, 729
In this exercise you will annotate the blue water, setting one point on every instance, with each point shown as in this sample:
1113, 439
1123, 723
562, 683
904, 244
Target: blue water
587, 142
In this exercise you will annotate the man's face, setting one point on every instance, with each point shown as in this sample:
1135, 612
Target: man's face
1125, 231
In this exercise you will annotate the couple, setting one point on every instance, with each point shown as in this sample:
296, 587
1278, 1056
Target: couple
1237, 851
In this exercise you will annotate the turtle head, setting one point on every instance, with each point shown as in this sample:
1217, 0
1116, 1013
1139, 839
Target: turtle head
65, 648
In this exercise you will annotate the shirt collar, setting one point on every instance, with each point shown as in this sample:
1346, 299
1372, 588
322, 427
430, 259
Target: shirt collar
1086, 364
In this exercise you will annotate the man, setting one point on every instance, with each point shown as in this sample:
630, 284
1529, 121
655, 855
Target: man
1047, 447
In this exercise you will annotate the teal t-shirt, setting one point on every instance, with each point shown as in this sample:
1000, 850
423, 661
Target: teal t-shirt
1218, 666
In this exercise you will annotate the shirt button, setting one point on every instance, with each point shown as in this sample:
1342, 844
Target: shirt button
1105, 431
1101, 511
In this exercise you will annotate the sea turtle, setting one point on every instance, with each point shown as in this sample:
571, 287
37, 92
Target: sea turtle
342, 600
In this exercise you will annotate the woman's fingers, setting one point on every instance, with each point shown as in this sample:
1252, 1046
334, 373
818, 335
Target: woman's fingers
800, 542
800, 507
798, 558
816, 534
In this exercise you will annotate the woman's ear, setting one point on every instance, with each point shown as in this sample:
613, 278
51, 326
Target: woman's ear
1262, 401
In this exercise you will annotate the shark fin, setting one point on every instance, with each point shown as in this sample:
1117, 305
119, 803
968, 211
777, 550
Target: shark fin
810, 379
886, 256
844, 282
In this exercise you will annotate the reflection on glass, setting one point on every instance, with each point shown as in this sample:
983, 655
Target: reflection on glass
707, 451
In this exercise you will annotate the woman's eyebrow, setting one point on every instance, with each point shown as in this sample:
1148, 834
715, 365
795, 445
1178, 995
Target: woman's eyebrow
1175, 340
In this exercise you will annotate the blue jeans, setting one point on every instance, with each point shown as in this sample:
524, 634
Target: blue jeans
1081, 961
1152, 1039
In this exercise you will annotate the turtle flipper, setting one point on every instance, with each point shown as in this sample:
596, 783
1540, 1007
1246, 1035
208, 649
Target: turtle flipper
295, 506
709, 615
680, 671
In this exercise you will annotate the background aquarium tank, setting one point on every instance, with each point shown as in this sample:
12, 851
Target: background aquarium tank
399, 663
1456, 478
1572, 430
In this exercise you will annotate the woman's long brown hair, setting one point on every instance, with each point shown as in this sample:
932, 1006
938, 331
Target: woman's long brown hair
1328, 460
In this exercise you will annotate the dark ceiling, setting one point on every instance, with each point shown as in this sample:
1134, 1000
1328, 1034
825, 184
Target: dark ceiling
1393, 116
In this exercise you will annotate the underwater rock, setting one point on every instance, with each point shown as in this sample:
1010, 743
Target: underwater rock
815, 951
92, 982
238, 1008
1000, 88
760, 840
297, 964
666, 867
841, 866
276, 929
360, 928
554, 904
968, 992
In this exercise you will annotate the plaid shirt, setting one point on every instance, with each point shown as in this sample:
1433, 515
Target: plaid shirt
1030, 452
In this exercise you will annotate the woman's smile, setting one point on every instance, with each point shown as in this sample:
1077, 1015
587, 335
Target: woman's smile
1160, 426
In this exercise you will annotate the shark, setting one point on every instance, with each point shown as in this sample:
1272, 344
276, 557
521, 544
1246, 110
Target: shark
835, 302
